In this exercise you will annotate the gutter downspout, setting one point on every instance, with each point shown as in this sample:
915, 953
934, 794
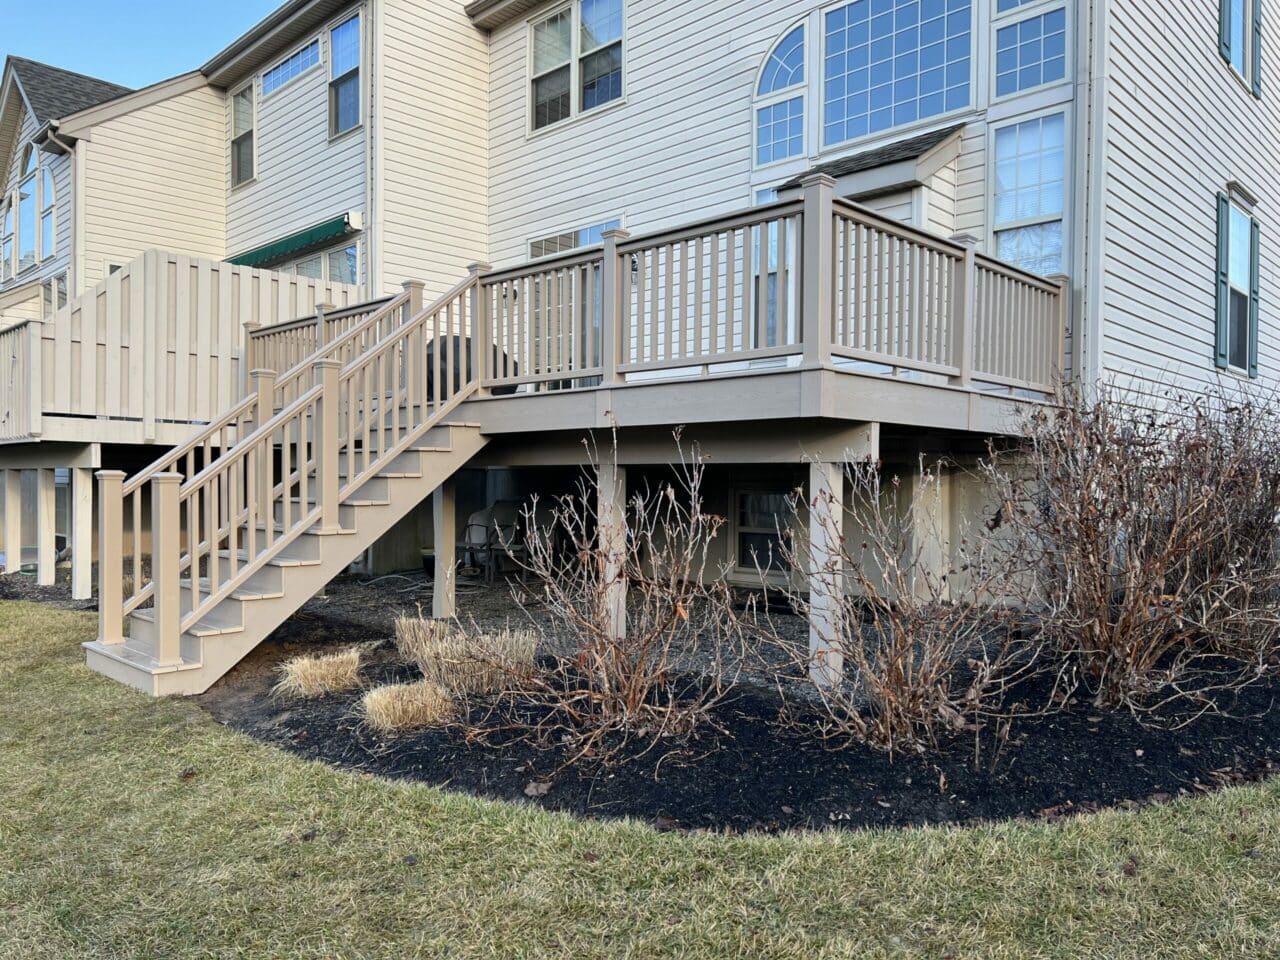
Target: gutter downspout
1094, 95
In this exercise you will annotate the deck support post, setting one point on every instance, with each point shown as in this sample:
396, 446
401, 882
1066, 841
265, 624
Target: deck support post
166, 552
613, 293
12, 520
81, 539
111, 556
611, 521
324, 436
444, 526
46, 528
817, 290
826, 572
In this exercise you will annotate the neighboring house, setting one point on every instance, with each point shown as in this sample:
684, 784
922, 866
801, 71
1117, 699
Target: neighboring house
804, 230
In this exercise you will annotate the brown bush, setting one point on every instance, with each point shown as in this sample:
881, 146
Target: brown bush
407, 706
315, 675
464, 661
1150, 530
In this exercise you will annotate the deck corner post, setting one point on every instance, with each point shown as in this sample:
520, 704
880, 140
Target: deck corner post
481, 338
324, 436
12, 520
613, 292
965, 306
444, 524
817, 303
166, 554
35, 377
111, 556
81, 533
611, 520
826, 572
1064, 323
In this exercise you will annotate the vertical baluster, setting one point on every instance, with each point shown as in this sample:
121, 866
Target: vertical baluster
782, 281
713, 306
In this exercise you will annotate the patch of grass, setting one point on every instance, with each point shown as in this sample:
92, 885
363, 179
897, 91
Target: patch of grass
314, 675
407, 706
140, 828
463, 662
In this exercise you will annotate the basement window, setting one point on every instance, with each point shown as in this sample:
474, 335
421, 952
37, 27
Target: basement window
761, 530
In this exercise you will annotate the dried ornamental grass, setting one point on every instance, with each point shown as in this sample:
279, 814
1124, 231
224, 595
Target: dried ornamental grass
407, 706
315, 675
463, 663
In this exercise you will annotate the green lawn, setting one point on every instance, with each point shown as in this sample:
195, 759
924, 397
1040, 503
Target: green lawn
107, 851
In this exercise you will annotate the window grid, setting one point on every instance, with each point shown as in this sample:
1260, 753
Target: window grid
779, 131
892, 62
589, 236
1030, 182
576, 61
1031, 52
785, 67
291, 67
242, 124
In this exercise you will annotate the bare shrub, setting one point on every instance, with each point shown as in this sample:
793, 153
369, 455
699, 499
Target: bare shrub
315, 675
915, 643
684, 642
1151, 530
464, 661
407, 706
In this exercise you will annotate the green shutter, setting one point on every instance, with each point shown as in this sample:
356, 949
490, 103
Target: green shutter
1222, 333
1224, 29
1257, 48
1255, 248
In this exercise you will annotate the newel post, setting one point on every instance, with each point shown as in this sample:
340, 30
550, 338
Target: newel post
262, 384
613, 293
413, 290
111, 556
482, 343
166, 554
1064, 323
965, 307
250, 354
322, 323
324, 436
817, 296
35, 377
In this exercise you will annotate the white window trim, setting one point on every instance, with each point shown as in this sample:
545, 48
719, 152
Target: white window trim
1068, 180
50, 207
326, 58
252, 86
1234, 203
8, 203
1245, 78
799, 88
817, 45
319, 64
1015, 17
575, 57
18, 239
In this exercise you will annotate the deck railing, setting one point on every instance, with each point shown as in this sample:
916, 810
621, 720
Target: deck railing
20, 390
817, 279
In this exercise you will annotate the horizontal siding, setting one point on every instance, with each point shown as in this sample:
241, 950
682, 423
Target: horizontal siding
302, 178
435, 151
62, 216
154, 178
1181, 126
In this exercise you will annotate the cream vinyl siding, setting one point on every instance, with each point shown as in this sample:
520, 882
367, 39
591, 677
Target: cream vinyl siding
679, 146
433, 207
1181, 126
154, 179
301, 176
62, 217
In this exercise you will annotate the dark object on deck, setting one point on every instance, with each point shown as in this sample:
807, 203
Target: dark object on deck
456, 353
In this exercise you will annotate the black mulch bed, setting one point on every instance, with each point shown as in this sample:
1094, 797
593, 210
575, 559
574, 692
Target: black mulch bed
755, 776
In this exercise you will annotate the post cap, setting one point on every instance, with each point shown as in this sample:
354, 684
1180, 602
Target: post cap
475, 269
166, 478
325, 307
261, 372
817, 178
965, 239
110, 474
408, 285
616, 233
326, 362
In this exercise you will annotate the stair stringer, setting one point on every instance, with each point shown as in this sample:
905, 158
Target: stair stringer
242, 621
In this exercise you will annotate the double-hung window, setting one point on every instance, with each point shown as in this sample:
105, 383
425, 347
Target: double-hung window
1031, 52
242, 123
762, 534
6, 238
576, 60
1240, 39
48, 199
344, 76
1236, 335
1030, 183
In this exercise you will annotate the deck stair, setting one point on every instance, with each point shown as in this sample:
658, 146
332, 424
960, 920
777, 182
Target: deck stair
255, 513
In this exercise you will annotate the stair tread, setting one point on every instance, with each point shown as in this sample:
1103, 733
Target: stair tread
240, 593
138, 658
201, 628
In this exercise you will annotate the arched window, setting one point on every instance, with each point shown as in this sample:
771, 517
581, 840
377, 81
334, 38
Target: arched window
780, 101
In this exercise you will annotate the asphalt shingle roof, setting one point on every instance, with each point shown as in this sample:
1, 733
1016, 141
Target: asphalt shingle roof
907, 149
55, 93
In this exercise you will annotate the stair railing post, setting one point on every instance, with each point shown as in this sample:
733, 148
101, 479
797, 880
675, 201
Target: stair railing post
322, 324
324, 436
166, 547
415, 359
111, 556
264, 388
817, 298
250, 354
482, 345
613, 290
964, 301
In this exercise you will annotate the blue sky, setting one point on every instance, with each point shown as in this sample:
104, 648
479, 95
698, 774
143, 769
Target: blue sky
134, 43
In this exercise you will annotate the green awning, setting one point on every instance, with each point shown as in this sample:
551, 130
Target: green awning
297, 243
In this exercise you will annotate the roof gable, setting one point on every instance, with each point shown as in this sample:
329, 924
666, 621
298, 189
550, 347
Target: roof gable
52, 92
